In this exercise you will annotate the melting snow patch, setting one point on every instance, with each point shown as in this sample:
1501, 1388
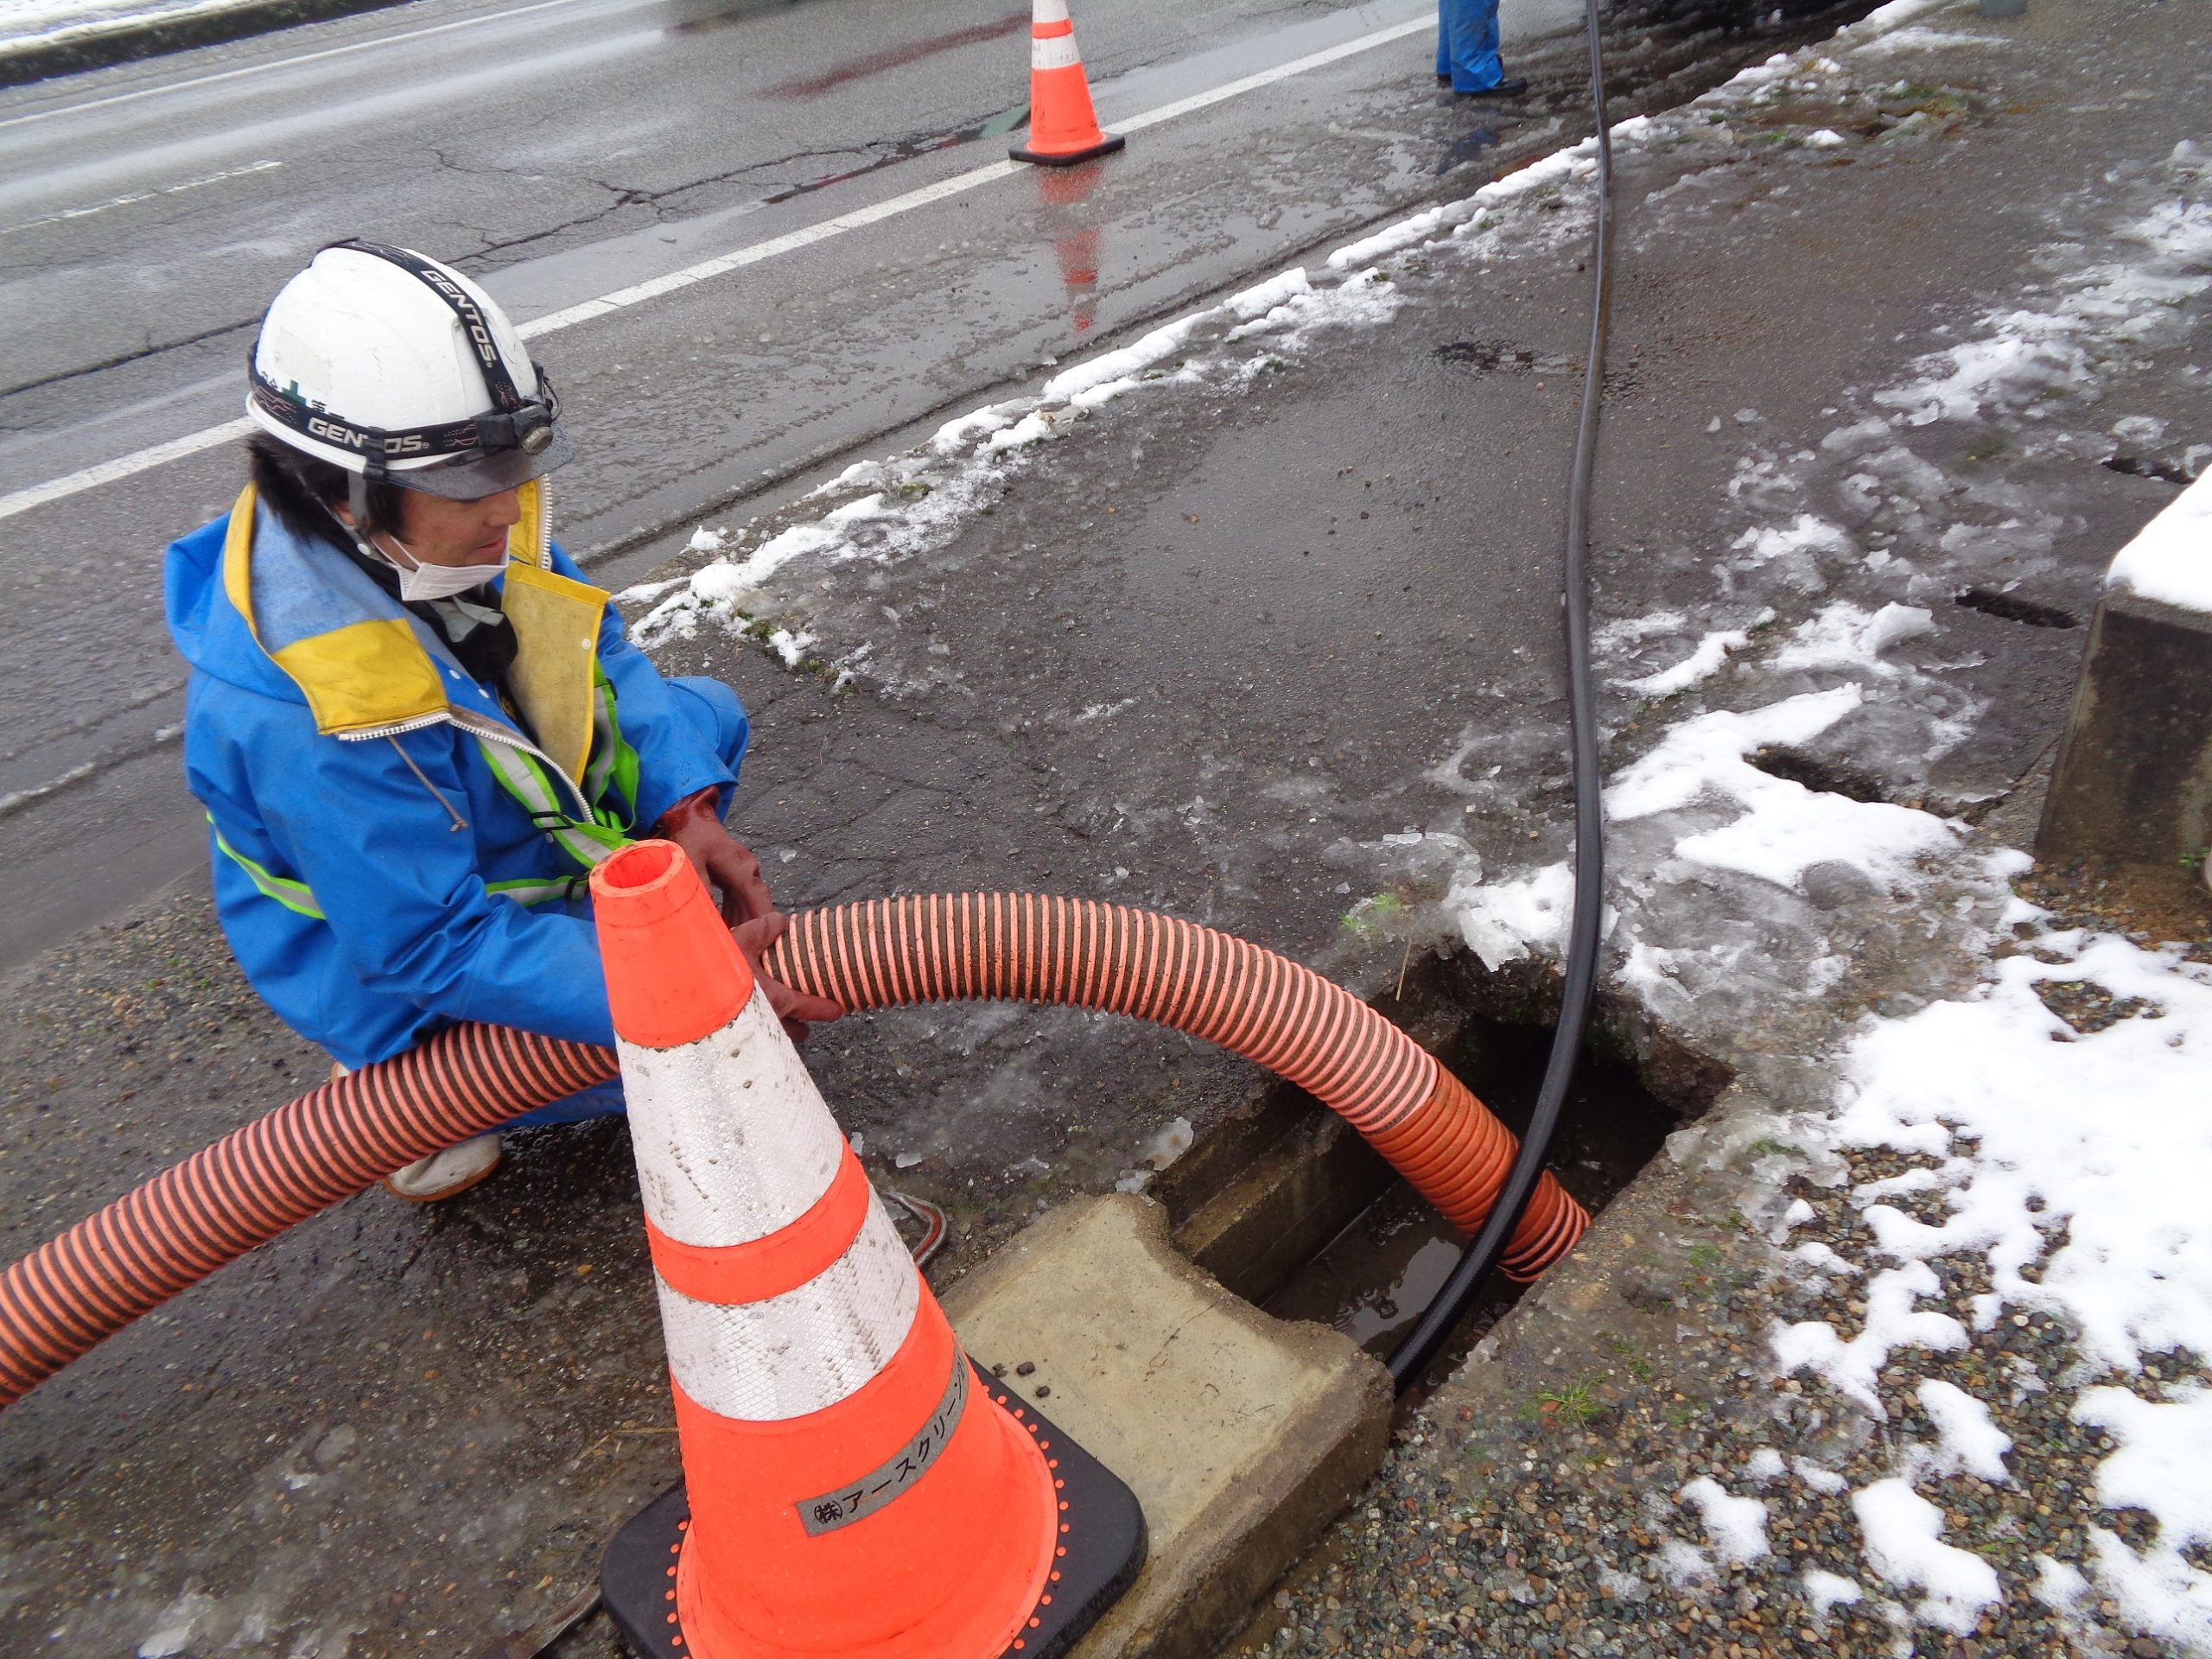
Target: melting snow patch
1736, 1526
2165, 1452
1622, 1587
1904, 1543
1892, 1322
2171, 559
1172, 1141
1773, 829
174, 1636
1819, 1479
1702, 663
1684, 1565
1826, 1589
1807, 533
2101, 1139
1507, 920
1968, 1440
1844, 636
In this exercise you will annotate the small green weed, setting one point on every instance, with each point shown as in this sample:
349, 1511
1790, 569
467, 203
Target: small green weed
1574, 1403
1371, 915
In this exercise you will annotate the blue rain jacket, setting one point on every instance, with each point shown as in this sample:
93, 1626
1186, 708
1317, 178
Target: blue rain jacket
312, 690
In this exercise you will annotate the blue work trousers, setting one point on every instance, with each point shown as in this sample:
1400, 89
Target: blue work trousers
1466, 44
721, 722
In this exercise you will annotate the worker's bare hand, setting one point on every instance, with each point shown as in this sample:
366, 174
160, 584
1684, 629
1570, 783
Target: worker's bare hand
795, 1008
725, 864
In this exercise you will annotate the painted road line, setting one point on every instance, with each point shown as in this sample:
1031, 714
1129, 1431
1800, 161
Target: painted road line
279, 63
136, 196
1268, 77
623, 299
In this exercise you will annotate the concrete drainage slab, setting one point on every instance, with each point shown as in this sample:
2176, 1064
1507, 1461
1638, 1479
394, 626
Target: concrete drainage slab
1242, 1435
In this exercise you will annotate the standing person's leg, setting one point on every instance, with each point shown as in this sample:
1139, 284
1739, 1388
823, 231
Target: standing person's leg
1471, 27
1444, 39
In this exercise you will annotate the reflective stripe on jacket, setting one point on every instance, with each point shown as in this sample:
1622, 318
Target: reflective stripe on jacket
390, 850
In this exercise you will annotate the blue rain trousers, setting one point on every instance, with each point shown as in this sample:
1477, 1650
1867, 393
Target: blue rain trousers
1466, 44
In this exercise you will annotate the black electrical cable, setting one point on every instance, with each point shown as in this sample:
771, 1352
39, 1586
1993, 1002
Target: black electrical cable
1450, 1303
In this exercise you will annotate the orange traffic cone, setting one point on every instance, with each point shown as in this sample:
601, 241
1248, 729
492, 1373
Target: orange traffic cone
854, 1487
1063, 127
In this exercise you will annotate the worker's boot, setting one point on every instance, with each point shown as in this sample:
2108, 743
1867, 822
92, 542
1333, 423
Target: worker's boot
443, 1174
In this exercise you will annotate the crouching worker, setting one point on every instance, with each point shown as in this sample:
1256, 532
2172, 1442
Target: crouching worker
415, 728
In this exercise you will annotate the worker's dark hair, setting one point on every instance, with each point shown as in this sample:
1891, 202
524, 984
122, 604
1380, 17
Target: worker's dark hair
301, 489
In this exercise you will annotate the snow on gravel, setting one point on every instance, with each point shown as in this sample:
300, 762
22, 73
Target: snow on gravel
1735, 1525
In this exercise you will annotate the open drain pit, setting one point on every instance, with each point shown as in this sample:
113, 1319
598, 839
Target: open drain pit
1374, 1278
1289, 1209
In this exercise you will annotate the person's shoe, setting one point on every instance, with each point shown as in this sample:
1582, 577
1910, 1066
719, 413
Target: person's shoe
443, 1174
1444, 77
1511, 87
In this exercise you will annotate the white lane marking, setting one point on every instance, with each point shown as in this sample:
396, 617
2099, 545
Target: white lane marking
622, 299
279, 63
123, 467
1268, 77
138, 196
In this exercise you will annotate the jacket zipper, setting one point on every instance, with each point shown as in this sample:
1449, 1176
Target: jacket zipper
490, 731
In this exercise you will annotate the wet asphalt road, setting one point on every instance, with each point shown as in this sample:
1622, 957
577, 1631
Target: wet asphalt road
569, 147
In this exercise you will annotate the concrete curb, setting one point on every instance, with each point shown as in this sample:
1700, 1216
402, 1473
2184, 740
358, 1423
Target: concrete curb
2133, 778
1242, 1435
97, 45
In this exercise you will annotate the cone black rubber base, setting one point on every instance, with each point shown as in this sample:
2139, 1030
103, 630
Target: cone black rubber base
1106, 146
1105, 1545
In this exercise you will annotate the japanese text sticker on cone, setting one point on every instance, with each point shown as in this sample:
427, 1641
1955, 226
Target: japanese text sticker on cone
853, 1489
1063, 127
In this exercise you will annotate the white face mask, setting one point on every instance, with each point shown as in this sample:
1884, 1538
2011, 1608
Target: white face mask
419, 582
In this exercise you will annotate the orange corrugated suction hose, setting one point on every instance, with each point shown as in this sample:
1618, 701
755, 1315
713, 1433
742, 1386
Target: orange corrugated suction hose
1028, 947
150, 1244
139, 1251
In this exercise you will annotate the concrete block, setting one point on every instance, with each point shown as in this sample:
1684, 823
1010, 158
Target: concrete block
2133, 779
1242, 1435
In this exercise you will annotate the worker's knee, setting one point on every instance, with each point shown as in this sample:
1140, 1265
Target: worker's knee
714, 708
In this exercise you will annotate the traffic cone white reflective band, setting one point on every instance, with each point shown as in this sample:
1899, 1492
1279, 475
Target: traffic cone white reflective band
850, 1494
1054, 52
1063, 127
784, 1286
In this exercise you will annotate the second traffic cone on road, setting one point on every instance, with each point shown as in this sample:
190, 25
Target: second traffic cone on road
1063, 127
854, 1489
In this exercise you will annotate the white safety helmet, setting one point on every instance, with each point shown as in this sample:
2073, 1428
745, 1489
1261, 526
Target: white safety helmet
394, 365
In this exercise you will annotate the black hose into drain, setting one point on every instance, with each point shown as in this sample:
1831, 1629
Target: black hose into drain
1450, 1303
